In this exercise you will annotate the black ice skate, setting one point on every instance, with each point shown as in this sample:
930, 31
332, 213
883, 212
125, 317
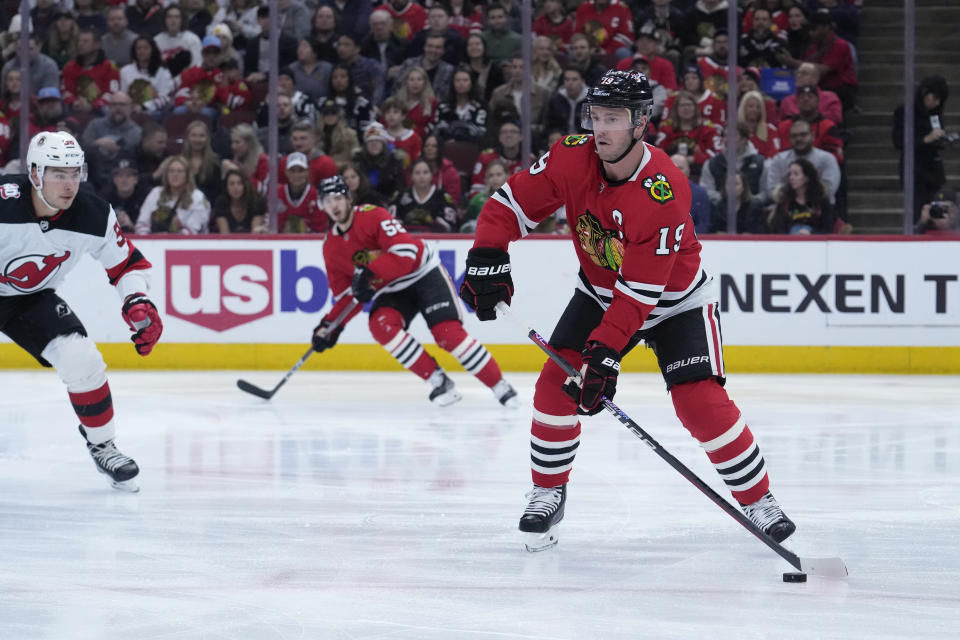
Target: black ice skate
542, 516
119, 468
444, 392
506, 394
769, 518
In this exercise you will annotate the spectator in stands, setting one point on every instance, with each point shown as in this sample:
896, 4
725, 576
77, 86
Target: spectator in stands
324, 33
687, 134
764, 136
554, 23
808, 75
486, 75
700, 207
802, 206
701, 23
311, 75
713, 178
383, 45
409, 18
304, 108
545, 71
338, 139
299, 211
778, 16
285, 121
10, 98
406, 142
751, 216
826, 133
578, 55
366, 73
359, 185
424, 206
256, 60
563, 110
303, 139
295, 19
439, 72
357, 112
502, 43
833, 57
44, 72
665, 21
465, 17
151, 152
240, 17
375, 160
930, 138
661, 69
845, 14
196, 17
145, 17
206, 76
176, 205
232, 93
462, 116
126, 192
713, 67
179, 48
801, 147
49, 114
438, 25
89, 16
507, 150
145, 79
712, 107
940, 217
798, 33
239, 209
445, 175
89, 77
248, 156
495, 177
352, 16
117, 41
640, 63
61, 42
761, 46
608, 24
512, 91
42, 17
417, 96
202, 162
230, 52
107, 135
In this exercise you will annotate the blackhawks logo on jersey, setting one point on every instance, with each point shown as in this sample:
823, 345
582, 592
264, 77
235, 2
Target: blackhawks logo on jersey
602, 245
363, 257
658, 187
575, 140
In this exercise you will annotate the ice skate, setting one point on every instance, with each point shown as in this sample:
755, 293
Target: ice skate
121, 469
542, 516
444, 392
769, 518
506, 394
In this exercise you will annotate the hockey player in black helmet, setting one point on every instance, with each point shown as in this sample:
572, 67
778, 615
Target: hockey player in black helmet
640, 279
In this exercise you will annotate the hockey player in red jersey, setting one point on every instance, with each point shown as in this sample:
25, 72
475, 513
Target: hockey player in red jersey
369, 256
47, 224
628, 208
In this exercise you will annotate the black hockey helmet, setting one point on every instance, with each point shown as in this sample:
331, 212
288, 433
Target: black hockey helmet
333, 184
629, 89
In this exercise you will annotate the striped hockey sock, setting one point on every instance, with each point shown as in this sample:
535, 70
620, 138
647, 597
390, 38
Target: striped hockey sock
95, 411
737, 459
553, 445
475, 358
410, 353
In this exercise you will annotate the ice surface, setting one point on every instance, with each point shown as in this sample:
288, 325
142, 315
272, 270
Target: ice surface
349, 508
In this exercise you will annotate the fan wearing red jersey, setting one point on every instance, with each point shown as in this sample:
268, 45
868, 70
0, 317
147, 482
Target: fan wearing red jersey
369, 256
628, 208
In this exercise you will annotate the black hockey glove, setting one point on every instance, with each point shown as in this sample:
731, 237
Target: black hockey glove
323, 338
487, 281
362, 286
601, 365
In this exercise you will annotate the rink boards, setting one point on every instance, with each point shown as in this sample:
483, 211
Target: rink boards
865, 304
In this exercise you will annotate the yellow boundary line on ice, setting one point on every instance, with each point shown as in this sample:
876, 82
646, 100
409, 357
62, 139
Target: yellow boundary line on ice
360, 357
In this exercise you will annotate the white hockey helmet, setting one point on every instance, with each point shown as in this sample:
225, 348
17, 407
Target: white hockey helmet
54, 149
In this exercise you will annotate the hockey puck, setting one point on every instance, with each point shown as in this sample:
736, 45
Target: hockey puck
795, 576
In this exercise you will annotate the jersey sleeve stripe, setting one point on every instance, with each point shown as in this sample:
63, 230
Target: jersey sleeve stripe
673, 298
504, 196
404, 250
133, 262
641, 297
643, 287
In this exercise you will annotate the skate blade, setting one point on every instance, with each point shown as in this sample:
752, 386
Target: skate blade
534, 542
447, 398
128, 486
511, 403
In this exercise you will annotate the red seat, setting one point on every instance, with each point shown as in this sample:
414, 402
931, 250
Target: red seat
258, 94
463, 154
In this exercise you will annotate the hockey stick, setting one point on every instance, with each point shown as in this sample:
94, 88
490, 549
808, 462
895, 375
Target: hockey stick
266, 395
830, 567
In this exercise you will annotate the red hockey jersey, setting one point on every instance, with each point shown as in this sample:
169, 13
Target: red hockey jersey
712, 108
192, 76
639, 256
408, 21
478, 181
300, 215
90, 82
611, 29
704, 141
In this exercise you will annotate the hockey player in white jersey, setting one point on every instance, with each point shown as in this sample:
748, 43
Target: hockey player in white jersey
47, 222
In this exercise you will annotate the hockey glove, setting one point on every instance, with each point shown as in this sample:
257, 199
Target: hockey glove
143, 318
601, 365
362, 286
323, 338
487, 281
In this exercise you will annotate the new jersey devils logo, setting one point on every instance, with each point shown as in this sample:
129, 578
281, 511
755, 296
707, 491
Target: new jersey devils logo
29, 273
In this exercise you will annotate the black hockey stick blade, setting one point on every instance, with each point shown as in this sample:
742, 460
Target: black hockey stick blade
828, 567
254, 389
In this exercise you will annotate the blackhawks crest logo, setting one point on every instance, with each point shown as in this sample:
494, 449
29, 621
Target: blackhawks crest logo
575, 140
658, 188
602, 245
363, 257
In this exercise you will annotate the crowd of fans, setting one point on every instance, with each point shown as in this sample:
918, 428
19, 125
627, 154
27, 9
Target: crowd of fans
418, 105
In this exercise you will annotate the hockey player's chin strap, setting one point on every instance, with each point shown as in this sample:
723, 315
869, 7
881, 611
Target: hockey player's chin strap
39, 189
633, 143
